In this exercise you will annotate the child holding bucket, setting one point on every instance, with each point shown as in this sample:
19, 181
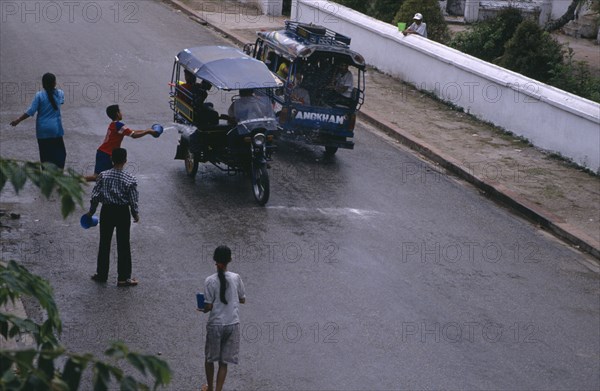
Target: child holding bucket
223, 291
117, 130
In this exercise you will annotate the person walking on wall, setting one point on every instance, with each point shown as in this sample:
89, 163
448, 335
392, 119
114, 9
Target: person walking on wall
223, 292
48, 125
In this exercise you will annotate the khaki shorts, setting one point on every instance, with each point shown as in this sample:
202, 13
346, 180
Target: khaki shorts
222, 343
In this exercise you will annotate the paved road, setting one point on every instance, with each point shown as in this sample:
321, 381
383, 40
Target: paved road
370, 270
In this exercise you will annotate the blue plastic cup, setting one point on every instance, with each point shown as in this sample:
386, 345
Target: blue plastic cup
88, 221
200, 300
157, 128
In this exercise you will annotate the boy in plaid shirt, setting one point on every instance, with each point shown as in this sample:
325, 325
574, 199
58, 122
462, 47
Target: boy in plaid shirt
117, 191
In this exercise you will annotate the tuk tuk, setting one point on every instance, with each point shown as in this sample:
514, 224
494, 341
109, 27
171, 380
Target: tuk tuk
324, 82
240, 141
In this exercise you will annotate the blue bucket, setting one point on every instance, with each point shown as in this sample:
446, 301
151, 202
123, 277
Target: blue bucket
200, 300
88, 222
157, 128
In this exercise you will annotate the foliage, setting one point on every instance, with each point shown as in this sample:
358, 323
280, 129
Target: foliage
437, 29
47, 177
532, 52
36, 368
383, 10
486, 39
39, 368
357, 5
575, 77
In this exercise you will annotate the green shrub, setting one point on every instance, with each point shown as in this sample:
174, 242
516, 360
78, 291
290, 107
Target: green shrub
532, 52
383, 10
486, 39
575, 77
437, 29
357, 5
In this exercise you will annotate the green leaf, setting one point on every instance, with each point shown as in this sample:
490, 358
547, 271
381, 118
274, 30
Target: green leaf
17, 177
67, 205
46, 184
72, 372
59, 385
101, 377
3, 179
46, 177
129, 384
137, 361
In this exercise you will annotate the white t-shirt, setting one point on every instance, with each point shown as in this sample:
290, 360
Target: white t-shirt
221, 313
419, 29
346, 81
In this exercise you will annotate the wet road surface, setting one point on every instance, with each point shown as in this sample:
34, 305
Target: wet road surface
369, 270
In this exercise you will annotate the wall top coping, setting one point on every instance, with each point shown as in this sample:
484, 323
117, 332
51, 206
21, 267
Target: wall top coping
544, 93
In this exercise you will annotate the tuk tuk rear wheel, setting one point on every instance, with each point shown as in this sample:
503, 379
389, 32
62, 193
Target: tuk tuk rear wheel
331, 150
260, 184
191, 164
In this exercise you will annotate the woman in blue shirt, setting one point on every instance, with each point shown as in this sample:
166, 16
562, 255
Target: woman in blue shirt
48, 124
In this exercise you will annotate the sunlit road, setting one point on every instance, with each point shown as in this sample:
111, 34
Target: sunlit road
367, 271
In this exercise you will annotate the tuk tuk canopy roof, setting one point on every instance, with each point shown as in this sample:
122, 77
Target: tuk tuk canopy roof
227, 68
297, 41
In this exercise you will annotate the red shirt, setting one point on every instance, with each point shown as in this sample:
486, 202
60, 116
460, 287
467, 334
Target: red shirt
114, 136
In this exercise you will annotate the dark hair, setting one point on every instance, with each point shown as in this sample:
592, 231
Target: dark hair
222, 256
189, 76
119, 155
206, 85
112, 111
49, 84
246, 92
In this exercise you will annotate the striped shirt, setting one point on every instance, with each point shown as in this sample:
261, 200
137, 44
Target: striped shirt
115, 187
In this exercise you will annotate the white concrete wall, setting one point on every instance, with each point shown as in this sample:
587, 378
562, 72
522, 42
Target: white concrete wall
550, 118
267, 7
559, 7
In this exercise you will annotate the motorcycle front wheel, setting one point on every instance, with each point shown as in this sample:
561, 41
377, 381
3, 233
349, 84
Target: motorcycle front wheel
260, 183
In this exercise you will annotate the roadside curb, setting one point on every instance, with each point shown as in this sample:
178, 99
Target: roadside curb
237, 39
496, 191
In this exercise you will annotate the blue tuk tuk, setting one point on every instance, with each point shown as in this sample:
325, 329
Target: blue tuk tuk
324, 83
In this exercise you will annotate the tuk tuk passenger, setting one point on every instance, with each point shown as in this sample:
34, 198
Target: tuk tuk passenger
300, 94
342, 85
249, 106
193, 93
284, 69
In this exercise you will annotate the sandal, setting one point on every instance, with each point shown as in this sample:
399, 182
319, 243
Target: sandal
128, 282
97, 278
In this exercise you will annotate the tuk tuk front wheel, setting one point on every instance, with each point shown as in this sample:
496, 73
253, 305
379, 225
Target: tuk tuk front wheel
191, 164
330, 150
260, 184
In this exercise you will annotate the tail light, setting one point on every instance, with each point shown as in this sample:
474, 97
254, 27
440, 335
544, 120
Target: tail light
351, 122
284, 115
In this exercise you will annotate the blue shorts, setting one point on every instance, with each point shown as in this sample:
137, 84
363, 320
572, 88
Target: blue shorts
103, 162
